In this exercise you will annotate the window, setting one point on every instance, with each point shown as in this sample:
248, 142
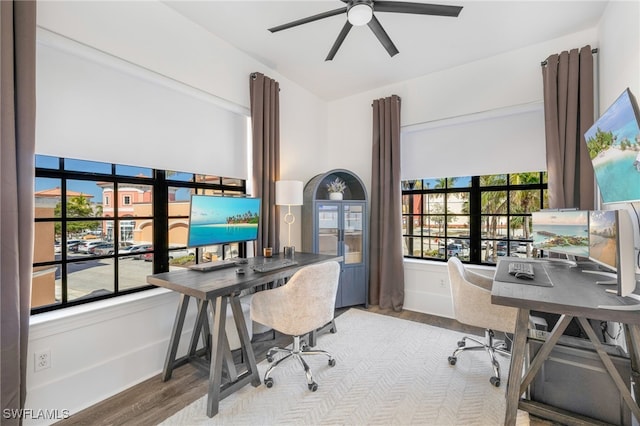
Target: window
476, 218
86, 250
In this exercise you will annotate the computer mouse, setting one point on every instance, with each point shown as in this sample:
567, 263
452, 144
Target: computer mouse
240, 271
524, 275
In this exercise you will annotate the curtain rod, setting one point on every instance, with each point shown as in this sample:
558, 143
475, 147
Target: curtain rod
543, 63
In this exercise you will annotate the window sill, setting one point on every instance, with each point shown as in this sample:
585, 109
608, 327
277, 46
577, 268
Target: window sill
62, 320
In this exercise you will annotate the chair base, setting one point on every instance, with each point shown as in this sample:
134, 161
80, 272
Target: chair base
491, 347
298, 350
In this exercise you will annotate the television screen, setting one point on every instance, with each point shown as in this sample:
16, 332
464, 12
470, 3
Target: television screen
561, 231
221, 220
613, 143
611, 245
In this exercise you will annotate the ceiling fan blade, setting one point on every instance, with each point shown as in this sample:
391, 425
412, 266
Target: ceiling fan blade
336, 45
309, 19
377, 29
417, 8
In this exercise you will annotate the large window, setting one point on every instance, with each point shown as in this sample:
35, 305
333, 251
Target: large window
87, 248
476, 218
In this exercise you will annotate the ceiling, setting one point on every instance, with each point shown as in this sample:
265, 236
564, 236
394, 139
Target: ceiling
426, 43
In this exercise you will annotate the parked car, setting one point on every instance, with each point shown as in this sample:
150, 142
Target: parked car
102, 249
173, 254
135, 251
456, 250
86, 246
72, 245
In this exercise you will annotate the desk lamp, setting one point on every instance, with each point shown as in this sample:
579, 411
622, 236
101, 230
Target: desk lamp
289, 193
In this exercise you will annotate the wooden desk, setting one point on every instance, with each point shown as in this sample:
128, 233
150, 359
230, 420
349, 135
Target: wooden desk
574, 294
221, 287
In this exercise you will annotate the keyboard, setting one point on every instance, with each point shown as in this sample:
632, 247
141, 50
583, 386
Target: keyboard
214, 266
521, 270
274, 265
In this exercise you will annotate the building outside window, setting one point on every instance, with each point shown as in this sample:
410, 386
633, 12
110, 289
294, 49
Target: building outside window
475, 218
87, 249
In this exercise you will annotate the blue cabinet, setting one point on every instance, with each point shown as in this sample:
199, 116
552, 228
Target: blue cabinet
339, 227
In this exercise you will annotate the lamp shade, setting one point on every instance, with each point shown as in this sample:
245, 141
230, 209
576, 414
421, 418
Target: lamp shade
289, 192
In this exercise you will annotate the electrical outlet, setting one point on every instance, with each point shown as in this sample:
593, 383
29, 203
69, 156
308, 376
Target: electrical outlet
42, 360
442, 283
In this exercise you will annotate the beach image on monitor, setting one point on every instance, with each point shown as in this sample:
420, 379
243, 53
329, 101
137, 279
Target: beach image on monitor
603, 237
562, 231
219, 220
613, 143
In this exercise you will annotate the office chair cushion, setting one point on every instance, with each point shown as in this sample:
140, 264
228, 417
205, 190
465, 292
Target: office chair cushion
472, 300
306, 302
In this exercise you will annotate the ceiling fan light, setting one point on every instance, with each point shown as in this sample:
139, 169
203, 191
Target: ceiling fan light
359, 14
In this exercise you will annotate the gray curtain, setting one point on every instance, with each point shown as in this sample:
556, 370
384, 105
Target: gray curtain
17, 148
568, 113
386, 287
265, 126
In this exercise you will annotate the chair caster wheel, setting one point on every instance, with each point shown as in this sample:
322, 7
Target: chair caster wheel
268, 382
452, 360
495, 381
332, 362
461, 344
269, 358
313, 387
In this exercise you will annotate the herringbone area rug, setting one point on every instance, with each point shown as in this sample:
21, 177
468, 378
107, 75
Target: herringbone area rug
388, 371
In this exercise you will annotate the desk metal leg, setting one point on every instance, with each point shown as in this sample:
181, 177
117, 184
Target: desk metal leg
178, 323
515, 370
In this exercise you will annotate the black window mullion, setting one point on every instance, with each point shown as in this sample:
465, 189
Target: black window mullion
160, 222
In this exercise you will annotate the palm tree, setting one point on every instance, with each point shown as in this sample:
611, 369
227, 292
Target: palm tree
525, 201
493, 203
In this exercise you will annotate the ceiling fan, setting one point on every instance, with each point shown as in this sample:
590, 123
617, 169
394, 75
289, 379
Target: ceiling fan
360, 12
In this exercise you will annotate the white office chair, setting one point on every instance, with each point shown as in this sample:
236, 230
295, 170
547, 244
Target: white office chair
305, 303
472, 306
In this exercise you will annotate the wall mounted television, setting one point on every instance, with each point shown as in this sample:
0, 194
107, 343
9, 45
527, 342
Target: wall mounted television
562, 231
611, 245
217, 220
613, 143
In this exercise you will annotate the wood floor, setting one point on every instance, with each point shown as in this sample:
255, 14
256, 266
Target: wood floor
153, 400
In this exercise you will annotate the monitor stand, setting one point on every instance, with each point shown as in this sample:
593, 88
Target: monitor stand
613, 281
635, 307
570, 260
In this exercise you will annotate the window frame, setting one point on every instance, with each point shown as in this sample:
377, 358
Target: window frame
160, 183
474, 193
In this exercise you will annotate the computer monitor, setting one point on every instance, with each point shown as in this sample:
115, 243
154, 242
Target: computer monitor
217, 219
613, 143
561, 231
611, 246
